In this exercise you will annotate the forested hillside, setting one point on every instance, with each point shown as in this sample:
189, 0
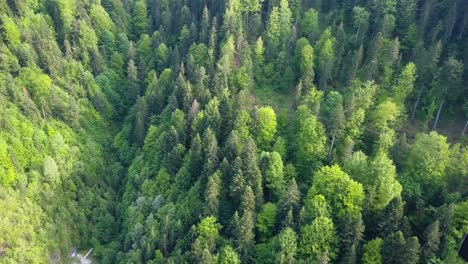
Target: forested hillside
234, 131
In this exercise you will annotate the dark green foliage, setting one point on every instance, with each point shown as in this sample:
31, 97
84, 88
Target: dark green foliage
397, 249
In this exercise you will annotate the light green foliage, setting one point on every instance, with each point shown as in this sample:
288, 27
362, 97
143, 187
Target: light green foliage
273, 29
458, 165
7, 171
36, 83
326, 57
309, 24
373, 252
318, 240
88, 39
10, 31
266, 126
361, 17
273, 172
405, 83
385, 115
20, 217
358, 98
287, 242
142, 129
259, 51
315, 206
67, 11
385, 186
429, 158
305, 54
212, 193
242, 124
285, 20
199, 53
266, 221
145, 48
51, 171
140, 20
162, 181
278, 28
459, 222
280, 147
232, 17
309, 140
250, 5
225, 63
100, 19
228, 255
378, 176
356, 166
383, 120
208, 230
344, 196
280, 249
333, 114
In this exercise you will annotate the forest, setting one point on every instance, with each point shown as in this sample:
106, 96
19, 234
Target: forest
234, 131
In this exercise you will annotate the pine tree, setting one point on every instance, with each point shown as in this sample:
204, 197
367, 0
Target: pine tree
140, 20
432, 237
210, 153
289, 203
287, 246
404, 85
389, 220
233, 147
309, 25
251, 171
245, 237
195, 161
305, 54
238, 184
396, 249
212, 194
228, 255
351, 234
333, 116
232, 18
248, 201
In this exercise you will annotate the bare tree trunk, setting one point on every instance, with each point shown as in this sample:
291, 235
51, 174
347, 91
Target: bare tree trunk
416, 103
357, 35
425, 14
324, 77
464, 129
438, 115
331, 147
43, 112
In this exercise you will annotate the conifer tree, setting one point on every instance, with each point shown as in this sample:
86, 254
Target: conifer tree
212, 194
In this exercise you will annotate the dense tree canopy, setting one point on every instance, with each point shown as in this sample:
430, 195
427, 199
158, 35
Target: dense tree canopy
233, 131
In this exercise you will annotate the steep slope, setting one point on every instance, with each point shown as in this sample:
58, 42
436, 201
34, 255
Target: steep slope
175, 131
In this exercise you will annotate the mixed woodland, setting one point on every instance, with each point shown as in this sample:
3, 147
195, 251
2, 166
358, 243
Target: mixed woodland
234, 131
